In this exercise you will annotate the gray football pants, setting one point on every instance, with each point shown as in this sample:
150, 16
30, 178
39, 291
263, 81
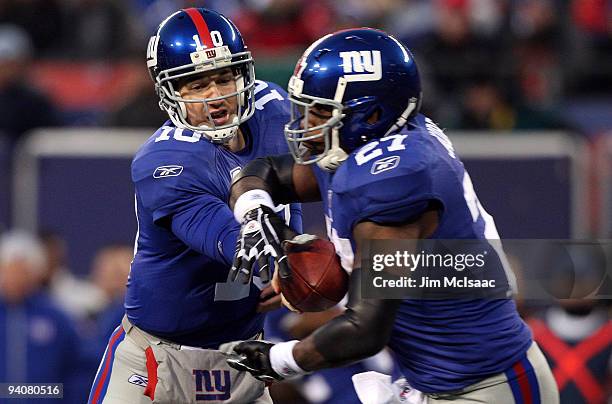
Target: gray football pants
138, 368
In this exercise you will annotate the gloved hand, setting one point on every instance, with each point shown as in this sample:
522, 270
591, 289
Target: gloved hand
254, 357
261, 234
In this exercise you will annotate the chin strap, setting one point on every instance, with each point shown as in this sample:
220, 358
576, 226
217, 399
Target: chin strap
403, 118
332, 160
220, 136
335, 155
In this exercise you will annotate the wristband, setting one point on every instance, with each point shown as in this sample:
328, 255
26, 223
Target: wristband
250, 200
282, 360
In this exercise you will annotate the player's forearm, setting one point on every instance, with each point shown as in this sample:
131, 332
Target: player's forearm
363, 330
355, 347
272, 174
244, 185
209, 228
307, 356
360, 335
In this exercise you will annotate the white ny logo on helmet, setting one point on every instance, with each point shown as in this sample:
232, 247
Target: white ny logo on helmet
361, 65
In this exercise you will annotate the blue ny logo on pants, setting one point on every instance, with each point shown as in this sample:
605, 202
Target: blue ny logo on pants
212, 385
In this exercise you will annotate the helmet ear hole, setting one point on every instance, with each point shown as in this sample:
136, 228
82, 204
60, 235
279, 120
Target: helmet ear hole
374, 117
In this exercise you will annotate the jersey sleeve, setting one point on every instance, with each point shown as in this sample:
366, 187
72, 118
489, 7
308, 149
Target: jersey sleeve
181, 192
272, 98
296, 222
274, 113
394, 196
207, 225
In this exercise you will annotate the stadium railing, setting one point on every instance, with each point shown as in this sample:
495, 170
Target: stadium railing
77, 182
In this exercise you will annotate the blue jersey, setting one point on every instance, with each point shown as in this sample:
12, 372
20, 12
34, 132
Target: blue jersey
441, 345
39, 344
178, 286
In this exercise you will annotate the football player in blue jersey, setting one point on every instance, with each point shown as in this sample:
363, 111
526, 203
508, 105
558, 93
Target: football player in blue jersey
180, 304
384, 171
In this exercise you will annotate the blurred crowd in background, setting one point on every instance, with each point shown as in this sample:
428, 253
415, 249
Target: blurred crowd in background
486, 64
53, 325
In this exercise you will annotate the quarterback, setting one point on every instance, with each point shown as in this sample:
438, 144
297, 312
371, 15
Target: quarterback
384, 171
180, 303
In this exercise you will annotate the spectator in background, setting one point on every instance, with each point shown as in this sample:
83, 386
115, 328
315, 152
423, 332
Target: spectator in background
589, 68
536, 30
109, 273
151, 12
456, 52
41, 19
276, 27
412, 22
485, 106
111, 267
367, 13
80, 298
21, 107
31, 326
100, 29
141, 107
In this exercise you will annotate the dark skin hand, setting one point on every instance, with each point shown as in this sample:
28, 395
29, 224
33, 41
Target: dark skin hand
268, 300
305, 352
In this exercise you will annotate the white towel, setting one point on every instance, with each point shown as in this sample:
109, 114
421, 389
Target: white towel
377, 388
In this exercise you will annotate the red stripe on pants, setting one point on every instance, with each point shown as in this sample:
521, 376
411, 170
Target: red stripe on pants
151, 374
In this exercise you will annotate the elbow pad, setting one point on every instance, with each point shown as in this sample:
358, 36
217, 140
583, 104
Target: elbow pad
276, 172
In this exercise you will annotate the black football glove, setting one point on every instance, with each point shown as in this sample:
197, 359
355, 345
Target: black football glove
254, 357
261, 234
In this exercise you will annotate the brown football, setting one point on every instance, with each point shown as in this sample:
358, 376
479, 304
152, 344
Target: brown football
317, 280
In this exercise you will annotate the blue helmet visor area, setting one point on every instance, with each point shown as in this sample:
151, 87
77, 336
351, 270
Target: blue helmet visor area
243, 69
309, 144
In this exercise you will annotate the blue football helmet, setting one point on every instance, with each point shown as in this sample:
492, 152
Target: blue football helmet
191, 42
358, 74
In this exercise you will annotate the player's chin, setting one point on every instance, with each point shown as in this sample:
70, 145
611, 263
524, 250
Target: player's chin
314, 148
